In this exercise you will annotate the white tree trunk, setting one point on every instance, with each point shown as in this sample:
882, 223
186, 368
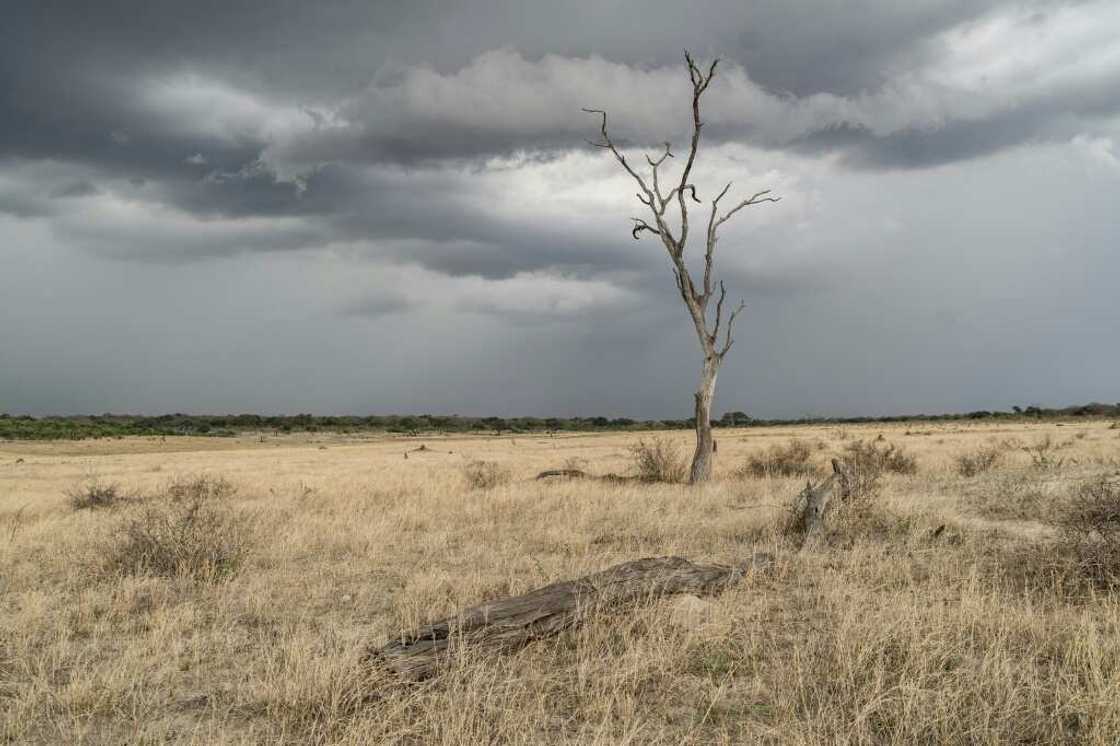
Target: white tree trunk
701, 470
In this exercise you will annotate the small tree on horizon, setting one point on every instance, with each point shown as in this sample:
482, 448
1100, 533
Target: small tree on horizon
697, 297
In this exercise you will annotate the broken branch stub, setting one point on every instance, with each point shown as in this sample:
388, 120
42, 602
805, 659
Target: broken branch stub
511, 623
815, 501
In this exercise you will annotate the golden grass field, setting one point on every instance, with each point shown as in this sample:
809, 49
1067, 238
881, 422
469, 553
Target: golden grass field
887, 634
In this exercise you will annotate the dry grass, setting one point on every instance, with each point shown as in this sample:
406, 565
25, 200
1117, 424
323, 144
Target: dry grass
912, 625
93, 494
659, 460
1090, 531
184, 531
485, 475
979, 461
791, 460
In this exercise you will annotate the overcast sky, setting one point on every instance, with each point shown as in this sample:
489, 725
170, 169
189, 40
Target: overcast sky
358, 207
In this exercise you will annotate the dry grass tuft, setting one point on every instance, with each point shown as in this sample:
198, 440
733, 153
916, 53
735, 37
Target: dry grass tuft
184, 533
93, 494
1043, 454
880, 456
868, 461
659, 460
485, 475
1020, 496
791, 460
981, 460
1089, 531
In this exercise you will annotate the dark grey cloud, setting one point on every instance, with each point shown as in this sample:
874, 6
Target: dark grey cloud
77, 81
298, 194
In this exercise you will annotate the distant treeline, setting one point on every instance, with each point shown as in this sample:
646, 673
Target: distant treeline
23, 427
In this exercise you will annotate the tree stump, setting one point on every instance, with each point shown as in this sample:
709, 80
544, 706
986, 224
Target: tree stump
510, 623
815, 501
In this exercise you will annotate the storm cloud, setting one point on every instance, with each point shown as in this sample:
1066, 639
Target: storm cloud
375, 207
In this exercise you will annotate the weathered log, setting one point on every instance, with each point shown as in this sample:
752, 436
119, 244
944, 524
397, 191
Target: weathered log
566, 473
510, 623
581, 474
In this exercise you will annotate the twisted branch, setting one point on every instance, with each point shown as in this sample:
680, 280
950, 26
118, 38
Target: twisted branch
695, 299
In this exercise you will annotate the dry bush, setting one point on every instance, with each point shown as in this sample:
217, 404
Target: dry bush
791, 460
979, 461
867, 462
1015, 496
485, 475
202, 488
1044, 455
187, 531
1089, 531
658, 461
93, 494
575, 463
888, 456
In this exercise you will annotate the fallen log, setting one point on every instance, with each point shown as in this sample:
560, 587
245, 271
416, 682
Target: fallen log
510, 623
566, 473
581, 474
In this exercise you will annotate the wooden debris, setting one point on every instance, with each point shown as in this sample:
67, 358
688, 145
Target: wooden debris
581, 474
510, 623
815, 501
565, 473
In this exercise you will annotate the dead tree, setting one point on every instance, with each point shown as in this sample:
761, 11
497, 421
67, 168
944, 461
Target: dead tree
510, 623
715, 336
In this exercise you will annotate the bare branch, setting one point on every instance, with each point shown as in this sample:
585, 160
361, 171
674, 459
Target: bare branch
719, 312
691, 188
728, 341
609, 145
656, 185
755, 199
659, 161
641, 225
699, 84
710, 248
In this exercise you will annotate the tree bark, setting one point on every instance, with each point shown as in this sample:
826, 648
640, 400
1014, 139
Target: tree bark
702, 458
815, 501
510, 623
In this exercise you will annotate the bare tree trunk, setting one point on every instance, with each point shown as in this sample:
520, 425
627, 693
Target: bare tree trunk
701, 470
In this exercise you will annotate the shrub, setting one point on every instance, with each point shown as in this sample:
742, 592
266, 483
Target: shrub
984, 459
201, 488
93, 494
1016, 496
1043, 456
1089, 531
485, 475
791, 460
658, 461
185, 532
866, 463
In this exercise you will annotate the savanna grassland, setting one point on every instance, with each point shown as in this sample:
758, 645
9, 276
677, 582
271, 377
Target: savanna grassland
214, 591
